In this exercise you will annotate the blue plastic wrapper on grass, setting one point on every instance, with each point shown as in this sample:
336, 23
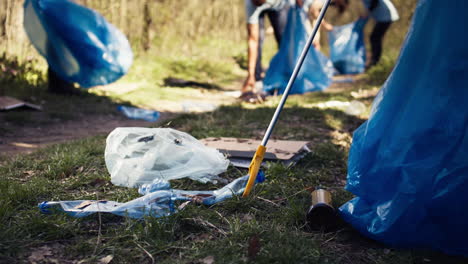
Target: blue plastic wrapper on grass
408, 164
347, 49
79, 45
158, 200
139, 113
317, 70
156, 204
156, 185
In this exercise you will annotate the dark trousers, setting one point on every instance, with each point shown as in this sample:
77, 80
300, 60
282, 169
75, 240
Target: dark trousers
376, 39
278, 21
58, 85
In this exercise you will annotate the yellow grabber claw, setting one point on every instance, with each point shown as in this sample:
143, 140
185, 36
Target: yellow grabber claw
254, 168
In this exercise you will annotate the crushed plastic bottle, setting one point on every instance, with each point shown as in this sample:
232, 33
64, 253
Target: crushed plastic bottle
139, 113
155, 202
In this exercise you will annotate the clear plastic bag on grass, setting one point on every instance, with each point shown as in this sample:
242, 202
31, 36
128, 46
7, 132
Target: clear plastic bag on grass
136, 156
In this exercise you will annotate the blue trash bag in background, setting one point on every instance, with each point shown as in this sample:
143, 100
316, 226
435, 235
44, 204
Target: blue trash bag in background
347, 49
317, 70
78, 43
408, 164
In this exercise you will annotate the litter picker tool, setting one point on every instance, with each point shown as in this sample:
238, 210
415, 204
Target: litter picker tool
260, 153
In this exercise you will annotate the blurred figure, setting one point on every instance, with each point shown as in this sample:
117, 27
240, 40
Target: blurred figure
384, 13
277, 12
313, 8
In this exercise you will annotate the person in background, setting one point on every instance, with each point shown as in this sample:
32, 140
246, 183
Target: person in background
313, 8
384, 13
277, 12
59, 86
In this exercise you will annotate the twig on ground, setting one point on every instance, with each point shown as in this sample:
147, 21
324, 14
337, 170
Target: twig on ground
268, 201
222, 217
208, 224
309, 189
98, 241
146, 252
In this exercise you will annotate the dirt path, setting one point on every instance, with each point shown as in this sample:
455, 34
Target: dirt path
26, 137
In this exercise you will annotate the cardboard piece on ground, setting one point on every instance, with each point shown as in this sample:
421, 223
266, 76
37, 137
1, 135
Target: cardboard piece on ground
240, 151
9, 103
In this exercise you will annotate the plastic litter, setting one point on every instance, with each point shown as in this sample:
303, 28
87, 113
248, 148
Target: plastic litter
317, 70
197, 107
78, 43
139, 113
136, 156
347, 49
354, 108
155, 203
408, 164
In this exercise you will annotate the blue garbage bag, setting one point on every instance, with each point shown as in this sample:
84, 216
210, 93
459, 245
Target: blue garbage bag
317, 70
78, 43
347, 49
408, 164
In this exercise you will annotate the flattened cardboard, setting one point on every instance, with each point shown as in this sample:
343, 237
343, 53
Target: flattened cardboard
9, 103
245, 148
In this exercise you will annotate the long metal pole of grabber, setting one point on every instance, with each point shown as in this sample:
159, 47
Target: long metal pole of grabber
258, 157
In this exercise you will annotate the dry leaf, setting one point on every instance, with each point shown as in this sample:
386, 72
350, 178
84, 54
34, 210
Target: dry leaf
208, 260
29, 172
247, 218
254, 247
40, 254
106, 260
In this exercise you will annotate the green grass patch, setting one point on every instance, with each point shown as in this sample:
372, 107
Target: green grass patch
267, 227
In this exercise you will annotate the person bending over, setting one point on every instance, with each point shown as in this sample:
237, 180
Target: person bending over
384, 13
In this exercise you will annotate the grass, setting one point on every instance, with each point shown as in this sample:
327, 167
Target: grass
273, 232
267, 227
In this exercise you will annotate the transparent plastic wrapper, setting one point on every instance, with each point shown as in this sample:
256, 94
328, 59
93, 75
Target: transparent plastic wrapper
347, 49
408, 164
79, 45
139, 113
158, 200
317, 70
136, 156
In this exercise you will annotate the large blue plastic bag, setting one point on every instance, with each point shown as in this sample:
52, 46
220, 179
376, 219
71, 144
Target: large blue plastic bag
347, 49
78, 43
317, 70
408, 164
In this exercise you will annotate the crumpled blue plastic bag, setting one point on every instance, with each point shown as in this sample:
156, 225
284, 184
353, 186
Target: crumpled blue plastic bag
347, 49
317, 70
408, 164
78, 43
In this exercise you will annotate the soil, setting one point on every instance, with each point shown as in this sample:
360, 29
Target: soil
17, 138
27, 138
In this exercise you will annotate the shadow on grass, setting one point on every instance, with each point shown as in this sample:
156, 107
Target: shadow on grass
26, 82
